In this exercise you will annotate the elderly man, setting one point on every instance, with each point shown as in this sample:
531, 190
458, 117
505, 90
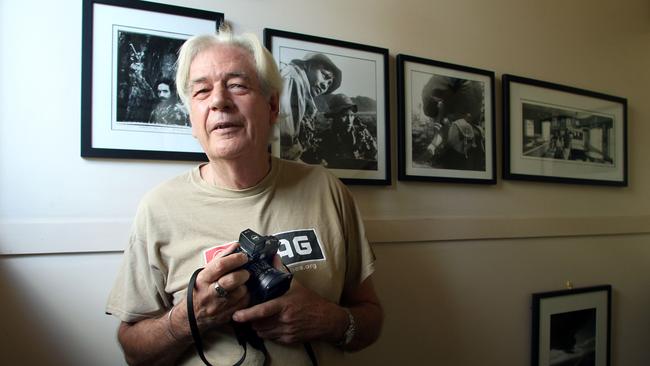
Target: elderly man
231, 87
304, 80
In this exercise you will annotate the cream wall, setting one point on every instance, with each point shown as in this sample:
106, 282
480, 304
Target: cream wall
457, 263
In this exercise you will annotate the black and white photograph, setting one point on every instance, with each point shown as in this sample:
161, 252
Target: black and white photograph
558, 133
146, 92
573, 338
446, 122
334, 105
130, 106
572, 327
553, 132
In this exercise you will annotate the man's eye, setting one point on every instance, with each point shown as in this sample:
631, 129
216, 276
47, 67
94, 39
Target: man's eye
200, 92
327, 75
237, 86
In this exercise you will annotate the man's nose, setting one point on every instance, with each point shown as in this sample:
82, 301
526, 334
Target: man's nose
325, 84
220, 98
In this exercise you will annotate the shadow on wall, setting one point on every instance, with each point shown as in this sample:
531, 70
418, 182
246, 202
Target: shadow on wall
420, 322
26, 327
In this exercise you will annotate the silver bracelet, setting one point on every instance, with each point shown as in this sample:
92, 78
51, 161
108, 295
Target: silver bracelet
349, 332
169, 324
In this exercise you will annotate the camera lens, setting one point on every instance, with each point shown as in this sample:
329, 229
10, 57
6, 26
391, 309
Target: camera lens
273, 283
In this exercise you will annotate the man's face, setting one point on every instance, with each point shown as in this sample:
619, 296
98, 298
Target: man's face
348, 117
320, 80
230, 115
163, 91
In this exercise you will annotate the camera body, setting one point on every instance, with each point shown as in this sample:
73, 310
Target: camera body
265, 282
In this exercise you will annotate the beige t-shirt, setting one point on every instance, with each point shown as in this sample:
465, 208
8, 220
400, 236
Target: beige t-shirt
181, 223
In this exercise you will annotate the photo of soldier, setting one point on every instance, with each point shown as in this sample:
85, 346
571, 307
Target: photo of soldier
348, 143
139, 95
145, 94
304, 80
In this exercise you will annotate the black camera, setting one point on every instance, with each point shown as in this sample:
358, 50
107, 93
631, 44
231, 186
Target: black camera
265, 282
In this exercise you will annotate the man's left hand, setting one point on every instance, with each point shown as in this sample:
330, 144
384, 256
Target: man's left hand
298, 316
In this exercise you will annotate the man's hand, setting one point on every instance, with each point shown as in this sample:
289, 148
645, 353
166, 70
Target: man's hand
298, 316
210, 309
160, 341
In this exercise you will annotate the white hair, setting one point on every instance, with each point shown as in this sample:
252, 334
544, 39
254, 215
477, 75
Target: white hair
267, 70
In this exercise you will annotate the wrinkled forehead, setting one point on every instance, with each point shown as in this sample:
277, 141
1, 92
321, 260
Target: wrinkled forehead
323, 68
327, 72
218, 61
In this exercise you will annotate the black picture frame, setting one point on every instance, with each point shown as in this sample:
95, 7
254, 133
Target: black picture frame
446, 122
562, 134
570, 324
129, 107
357, 153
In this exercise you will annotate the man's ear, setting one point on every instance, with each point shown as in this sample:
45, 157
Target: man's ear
274, 104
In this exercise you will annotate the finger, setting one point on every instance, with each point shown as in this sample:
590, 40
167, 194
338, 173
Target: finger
257, 312
277, 263
222, 293
229, 282
219, 311
220, 266
233, 279
227, 250
239, 296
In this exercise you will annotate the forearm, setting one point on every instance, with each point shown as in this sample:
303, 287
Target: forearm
156, 341
364, 327
367, 316
368, 319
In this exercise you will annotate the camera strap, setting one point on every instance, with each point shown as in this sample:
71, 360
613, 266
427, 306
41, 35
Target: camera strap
243, 332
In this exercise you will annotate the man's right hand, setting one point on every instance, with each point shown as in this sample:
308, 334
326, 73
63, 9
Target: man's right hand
211, 309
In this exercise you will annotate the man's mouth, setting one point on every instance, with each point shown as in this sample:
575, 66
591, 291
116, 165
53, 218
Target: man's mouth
226, 126
317, 90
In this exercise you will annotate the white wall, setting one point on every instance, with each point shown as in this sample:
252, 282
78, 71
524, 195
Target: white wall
463, 259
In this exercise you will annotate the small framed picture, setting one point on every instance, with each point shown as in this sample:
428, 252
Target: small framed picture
334, 106
446, 122
572, 327
130, 108
558, 133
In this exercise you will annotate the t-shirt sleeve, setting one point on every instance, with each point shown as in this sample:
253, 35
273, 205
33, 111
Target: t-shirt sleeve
139, 290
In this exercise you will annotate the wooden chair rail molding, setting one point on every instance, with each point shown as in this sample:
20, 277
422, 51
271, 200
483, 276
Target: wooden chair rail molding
476, 228
76, 235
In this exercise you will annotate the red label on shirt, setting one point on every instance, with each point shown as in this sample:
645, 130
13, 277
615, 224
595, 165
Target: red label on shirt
209, 254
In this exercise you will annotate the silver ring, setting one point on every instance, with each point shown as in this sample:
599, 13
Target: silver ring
221, 292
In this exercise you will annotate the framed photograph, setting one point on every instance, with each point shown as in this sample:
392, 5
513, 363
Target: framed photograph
334, 106
572, 327
129, 105
557, 133
446, 122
